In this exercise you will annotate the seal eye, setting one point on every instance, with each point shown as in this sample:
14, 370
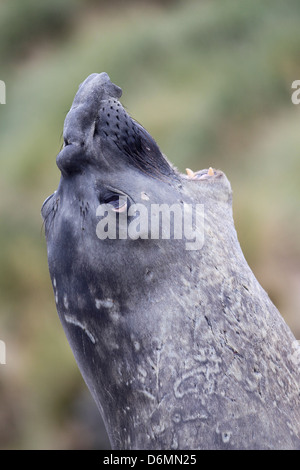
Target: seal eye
117, 201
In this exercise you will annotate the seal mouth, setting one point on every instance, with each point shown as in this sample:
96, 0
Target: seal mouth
47, 200
49, 209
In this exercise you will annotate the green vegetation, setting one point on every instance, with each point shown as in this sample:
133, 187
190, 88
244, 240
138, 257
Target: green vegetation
211, 81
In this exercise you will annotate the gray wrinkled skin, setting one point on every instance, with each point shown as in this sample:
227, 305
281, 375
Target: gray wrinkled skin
181, 349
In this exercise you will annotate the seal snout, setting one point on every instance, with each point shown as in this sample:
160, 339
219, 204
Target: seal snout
98, 130
82, 121
95, 88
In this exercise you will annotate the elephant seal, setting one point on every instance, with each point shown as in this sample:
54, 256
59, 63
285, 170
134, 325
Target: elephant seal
179, 345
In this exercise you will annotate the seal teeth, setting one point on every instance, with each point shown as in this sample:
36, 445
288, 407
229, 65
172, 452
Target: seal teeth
210, 171
190, 173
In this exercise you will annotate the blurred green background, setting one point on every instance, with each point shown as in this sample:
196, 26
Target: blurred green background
211, 81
